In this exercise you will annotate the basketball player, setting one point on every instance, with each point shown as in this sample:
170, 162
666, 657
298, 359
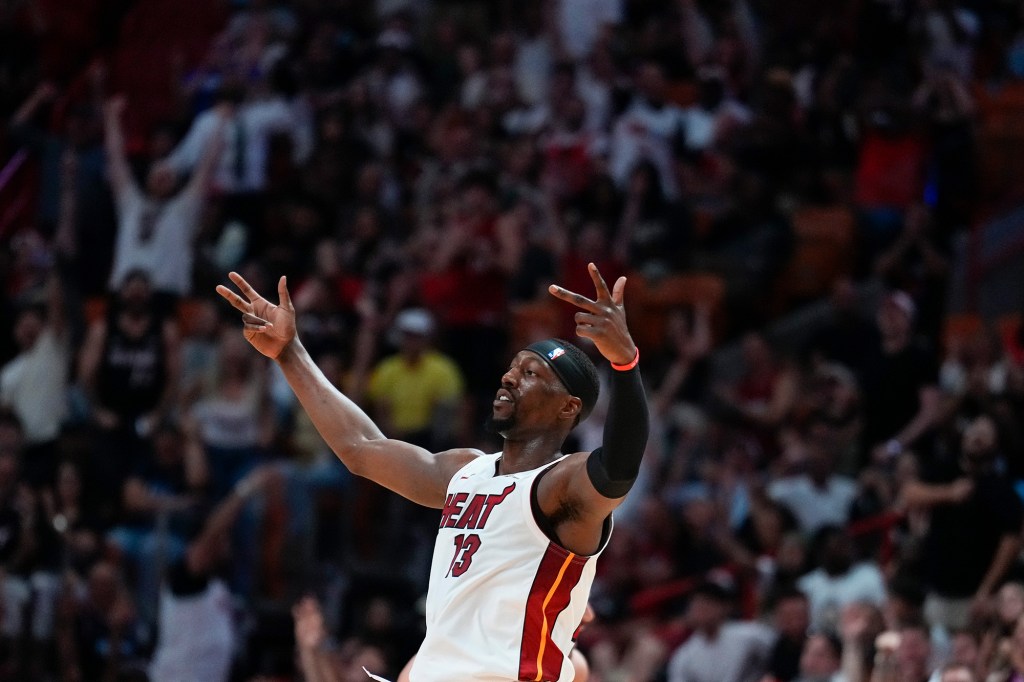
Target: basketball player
520, 529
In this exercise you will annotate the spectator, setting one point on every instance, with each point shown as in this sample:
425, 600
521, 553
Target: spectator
71, 531
475, 258
819, 497
715, 114
585, 24
821, 658
719, 650
651, 129
161, 502
416, 393
196, 623
947, 31
34, 384
839, 581
975, 529
16, 543
901, 396
73, 204
1008, 663
903, 656
684, 384
763, 396
129, 369
847, 336
966, 654
98, 637
159, 221
242, 123
316, 661
234, 422
791, 620
1009, 608
916, 263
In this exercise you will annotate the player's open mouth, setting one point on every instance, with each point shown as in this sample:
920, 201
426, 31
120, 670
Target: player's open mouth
504, 397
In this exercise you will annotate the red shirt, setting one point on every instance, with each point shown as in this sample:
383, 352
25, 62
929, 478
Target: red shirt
890, 171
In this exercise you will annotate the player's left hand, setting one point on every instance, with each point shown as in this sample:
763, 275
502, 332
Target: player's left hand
603, 321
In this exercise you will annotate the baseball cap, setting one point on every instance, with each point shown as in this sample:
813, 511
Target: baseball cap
416, 321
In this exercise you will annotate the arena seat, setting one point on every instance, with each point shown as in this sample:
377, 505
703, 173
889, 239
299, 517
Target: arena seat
682, 93
959, 328
536, 320
824, 250
1000, 145
649, 302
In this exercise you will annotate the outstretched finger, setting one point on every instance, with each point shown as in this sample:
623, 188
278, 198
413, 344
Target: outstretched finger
244, 286
599, 283
619, 291
234, 299
578, 300
284, 298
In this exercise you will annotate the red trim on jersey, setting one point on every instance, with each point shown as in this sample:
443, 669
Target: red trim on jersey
558, 573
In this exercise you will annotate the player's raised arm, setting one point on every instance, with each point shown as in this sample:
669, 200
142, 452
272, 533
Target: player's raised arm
606, 475
408, 470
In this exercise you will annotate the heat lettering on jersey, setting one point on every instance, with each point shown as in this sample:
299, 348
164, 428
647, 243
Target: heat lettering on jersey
471, 513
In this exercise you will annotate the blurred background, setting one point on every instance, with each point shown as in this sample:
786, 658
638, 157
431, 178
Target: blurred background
820, 209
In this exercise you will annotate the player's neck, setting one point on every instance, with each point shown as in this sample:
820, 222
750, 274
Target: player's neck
525, 454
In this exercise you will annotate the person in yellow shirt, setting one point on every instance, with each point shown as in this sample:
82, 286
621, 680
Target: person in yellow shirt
416, 392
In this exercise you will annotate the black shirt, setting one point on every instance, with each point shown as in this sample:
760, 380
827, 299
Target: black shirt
132, 372
963, 538
784, 661
891, 386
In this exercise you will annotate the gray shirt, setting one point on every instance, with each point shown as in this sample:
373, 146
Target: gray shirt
738, 654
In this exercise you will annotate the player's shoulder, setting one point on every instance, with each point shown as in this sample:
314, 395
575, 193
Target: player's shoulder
565, 465
452, 461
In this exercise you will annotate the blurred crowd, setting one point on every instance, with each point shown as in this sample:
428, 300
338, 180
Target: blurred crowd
840, 504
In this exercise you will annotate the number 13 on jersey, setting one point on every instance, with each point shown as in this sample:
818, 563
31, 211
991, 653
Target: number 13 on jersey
466, 546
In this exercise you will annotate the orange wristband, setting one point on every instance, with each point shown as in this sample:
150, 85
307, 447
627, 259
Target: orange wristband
629, 365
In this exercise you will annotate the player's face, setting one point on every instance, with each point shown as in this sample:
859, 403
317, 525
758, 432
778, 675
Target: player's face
530, 398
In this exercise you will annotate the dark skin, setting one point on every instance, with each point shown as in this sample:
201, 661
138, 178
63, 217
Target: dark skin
543, 409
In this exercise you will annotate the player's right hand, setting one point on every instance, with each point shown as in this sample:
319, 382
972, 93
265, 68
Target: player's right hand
269, 328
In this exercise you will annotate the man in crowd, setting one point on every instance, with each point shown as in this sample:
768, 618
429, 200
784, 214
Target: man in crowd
974, 535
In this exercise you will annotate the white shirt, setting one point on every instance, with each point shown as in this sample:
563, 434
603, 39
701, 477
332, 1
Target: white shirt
646, 133
580, 23
702, 126
227, 423
738, 654
156, 237
531, 69
246, 134
34, 383
197, 636
943, 48
815, 507
829, 594
503, 601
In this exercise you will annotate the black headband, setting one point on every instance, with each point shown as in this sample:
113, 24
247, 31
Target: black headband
570, 370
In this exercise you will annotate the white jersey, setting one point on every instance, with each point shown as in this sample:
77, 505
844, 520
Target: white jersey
504, 601
197, 636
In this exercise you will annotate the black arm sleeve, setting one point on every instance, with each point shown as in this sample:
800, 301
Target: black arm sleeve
614, 466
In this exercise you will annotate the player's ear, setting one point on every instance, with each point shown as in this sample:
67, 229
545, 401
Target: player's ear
570, 408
